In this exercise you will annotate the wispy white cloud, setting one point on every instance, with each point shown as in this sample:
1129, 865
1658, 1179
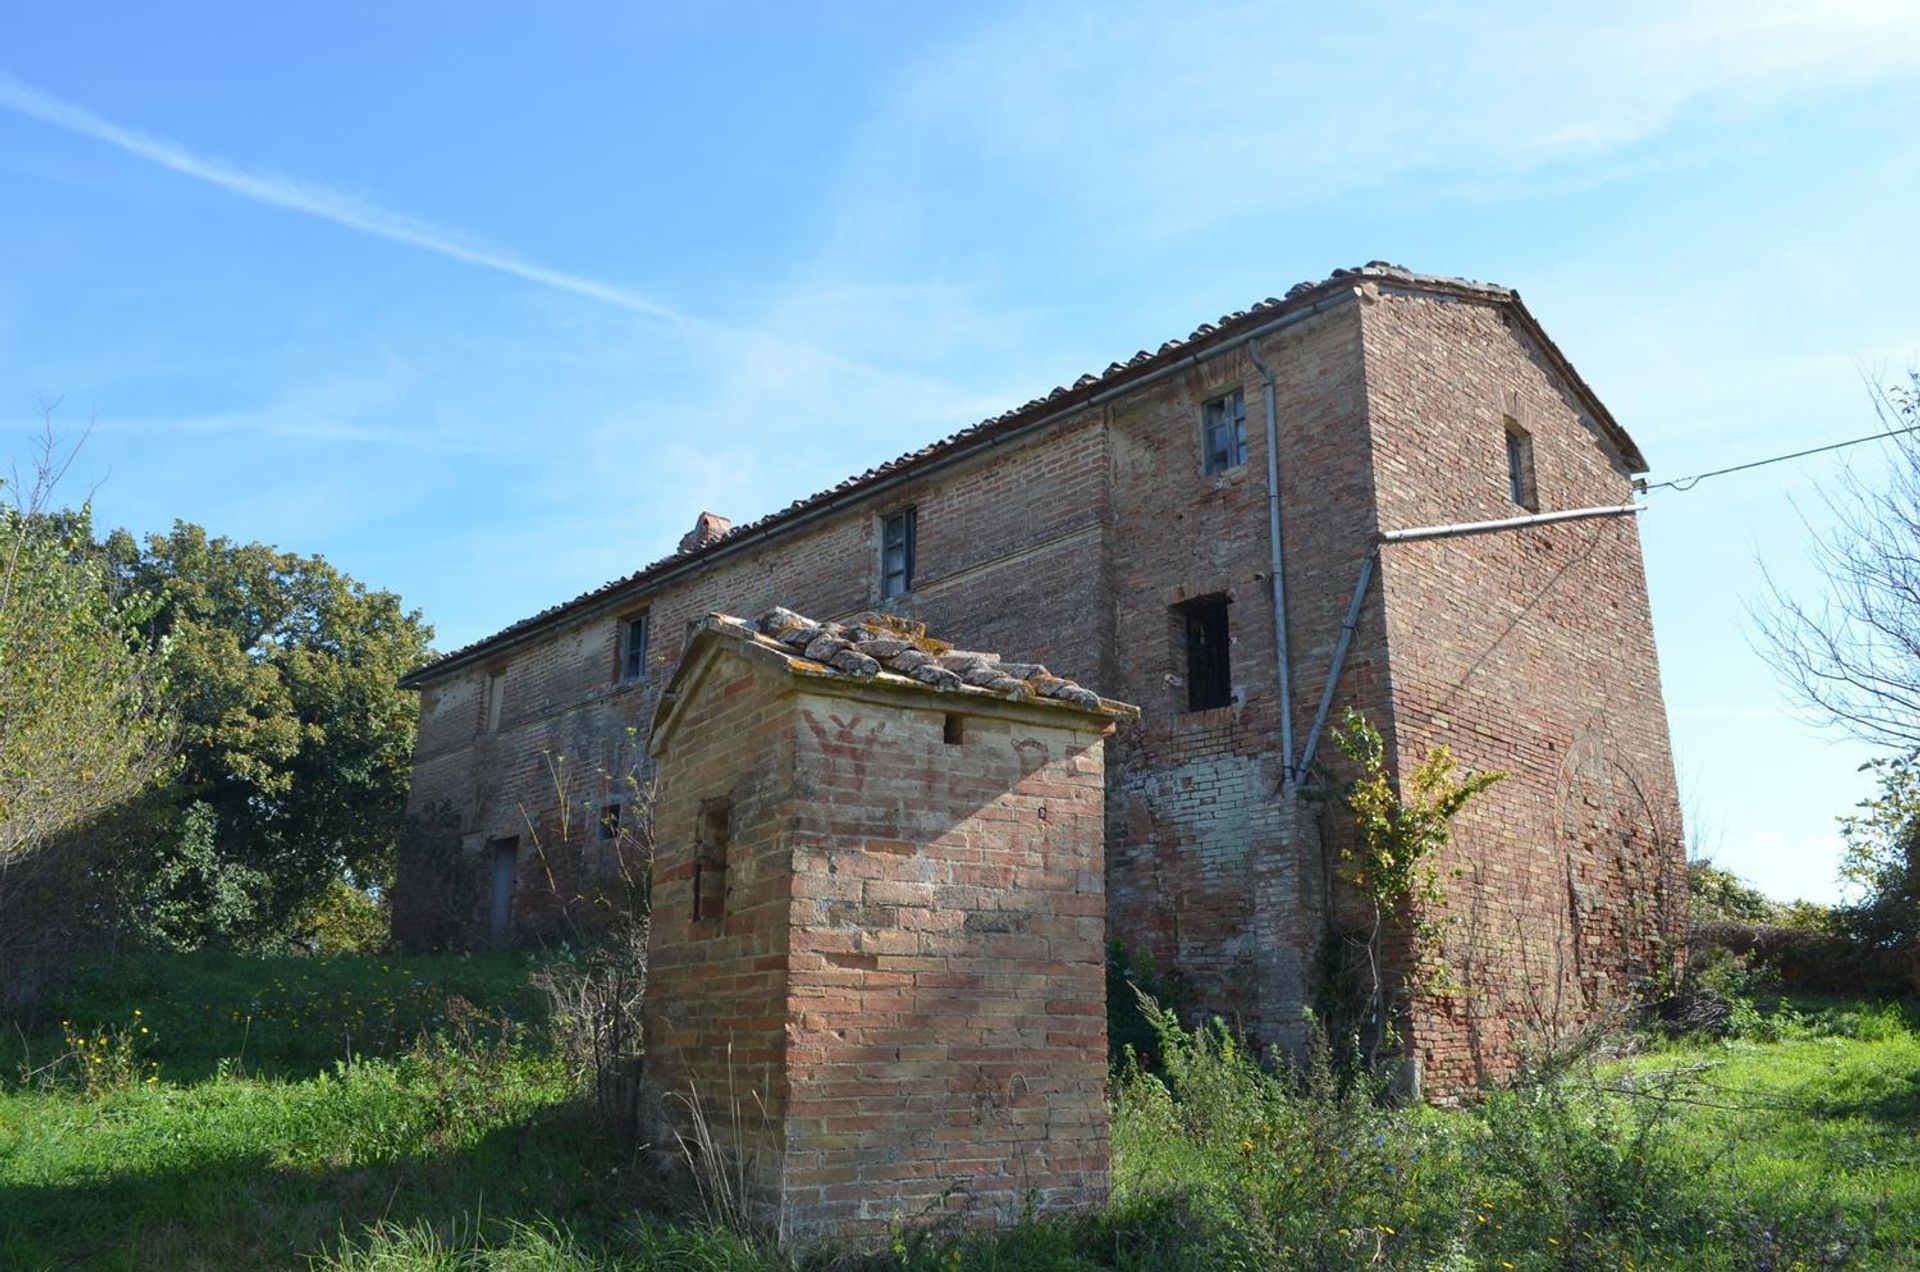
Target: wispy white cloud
343, 208
1155, 128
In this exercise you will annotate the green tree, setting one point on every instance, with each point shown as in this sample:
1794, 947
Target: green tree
1881, 862
295, 740
82, 724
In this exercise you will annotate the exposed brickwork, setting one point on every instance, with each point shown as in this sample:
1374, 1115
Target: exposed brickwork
1070, 541
903, 994
1530, 651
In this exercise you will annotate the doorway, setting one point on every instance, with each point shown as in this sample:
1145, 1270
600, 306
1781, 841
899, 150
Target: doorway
506, 874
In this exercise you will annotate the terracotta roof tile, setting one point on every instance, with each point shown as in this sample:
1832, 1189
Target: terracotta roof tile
883, 648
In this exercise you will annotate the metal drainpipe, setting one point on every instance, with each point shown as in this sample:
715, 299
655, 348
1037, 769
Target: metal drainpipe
1279, 577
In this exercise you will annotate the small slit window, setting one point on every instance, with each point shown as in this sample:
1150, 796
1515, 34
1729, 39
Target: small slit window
1203, 628
710, 860
610, 823
898, 532
1520, 482
633, 647
955, 731
1223, 425
496, 699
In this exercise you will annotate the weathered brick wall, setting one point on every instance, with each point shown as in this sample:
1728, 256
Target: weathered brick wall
948, 1040
1006, 547
897, 1008
716, 1015
1530, 651
1211, 868
1525, 651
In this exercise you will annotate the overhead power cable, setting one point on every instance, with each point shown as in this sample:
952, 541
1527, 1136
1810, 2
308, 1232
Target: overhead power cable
1684, 484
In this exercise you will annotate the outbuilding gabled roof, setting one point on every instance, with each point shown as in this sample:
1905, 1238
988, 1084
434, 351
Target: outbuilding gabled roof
696, 549
877, 649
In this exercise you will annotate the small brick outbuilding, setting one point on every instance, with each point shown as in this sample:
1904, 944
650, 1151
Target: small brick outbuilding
879, 921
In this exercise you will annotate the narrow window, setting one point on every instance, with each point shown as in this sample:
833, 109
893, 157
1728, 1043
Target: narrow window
710, 860
633, 647
1224, 425
496, 699
1203, 624
610, 822
956, 729
896, 553
1520, 483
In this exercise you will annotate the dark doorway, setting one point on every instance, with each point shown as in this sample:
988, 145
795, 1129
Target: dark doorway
506, 875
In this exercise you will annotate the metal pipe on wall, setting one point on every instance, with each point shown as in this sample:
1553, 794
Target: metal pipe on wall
1278, 580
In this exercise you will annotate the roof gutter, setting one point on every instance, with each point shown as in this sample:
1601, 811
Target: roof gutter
733, 544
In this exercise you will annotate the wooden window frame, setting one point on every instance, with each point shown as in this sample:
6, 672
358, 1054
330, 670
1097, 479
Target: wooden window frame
896, 579
1227, 416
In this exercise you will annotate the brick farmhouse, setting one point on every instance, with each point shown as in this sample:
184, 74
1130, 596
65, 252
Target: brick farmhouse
1243, 532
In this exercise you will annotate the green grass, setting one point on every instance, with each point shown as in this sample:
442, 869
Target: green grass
369, 1113
1827, 1116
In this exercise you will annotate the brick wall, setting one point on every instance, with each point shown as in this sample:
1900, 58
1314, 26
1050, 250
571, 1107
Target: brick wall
904, 996
716, 1015
1530, 651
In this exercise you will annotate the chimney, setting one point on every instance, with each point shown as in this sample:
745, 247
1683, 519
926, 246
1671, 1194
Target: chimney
708, 528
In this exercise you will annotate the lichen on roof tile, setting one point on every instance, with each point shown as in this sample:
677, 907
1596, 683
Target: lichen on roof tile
875, 646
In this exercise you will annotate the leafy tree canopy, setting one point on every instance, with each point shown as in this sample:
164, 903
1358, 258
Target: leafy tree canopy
295, 741
1881, 862
82, 724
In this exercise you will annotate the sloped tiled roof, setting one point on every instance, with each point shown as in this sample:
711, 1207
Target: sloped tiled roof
883, 649
1300, 296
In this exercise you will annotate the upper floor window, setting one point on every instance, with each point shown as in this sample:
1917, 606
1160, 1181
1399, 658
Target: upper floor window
633, 647
1223, 423
1203, 629
1520, 482
496, 698
896, 553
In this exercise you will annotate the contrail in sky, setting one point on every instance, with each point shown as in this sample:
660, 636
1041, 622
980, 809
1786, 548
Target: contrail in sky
340, 207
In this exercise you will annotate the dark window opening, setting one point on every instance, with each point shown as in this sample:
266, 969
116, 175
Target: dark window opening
1224, 425
610, 822
1520, 482
956, 729
633, 648
1209, 660
897, 534
710, 860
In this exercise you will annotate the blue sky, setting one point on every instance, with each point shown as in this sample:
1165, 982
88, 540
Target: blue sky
484, 304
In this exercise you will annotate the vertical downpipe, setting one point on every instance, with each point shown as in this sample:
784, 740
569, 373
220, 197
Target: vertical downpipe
1282, 664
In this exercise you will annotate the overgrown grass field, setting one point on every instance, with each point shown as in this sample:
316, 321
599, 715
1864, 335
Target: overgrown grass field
385, 1113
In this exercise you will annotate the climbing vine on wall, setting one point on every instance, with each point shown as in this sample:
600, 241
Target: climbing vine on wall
1401, 830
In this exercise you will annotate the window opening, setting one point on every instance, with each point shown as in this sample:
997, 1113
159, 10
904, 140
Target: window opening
1224, 424
610, 822
1209, 660
955, 730
496, 699
633, 647
897, 535
1520, 481
710, 860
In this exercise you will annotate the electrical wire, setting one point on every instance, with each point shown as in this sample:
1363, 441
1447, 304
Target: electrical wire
1684, 484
